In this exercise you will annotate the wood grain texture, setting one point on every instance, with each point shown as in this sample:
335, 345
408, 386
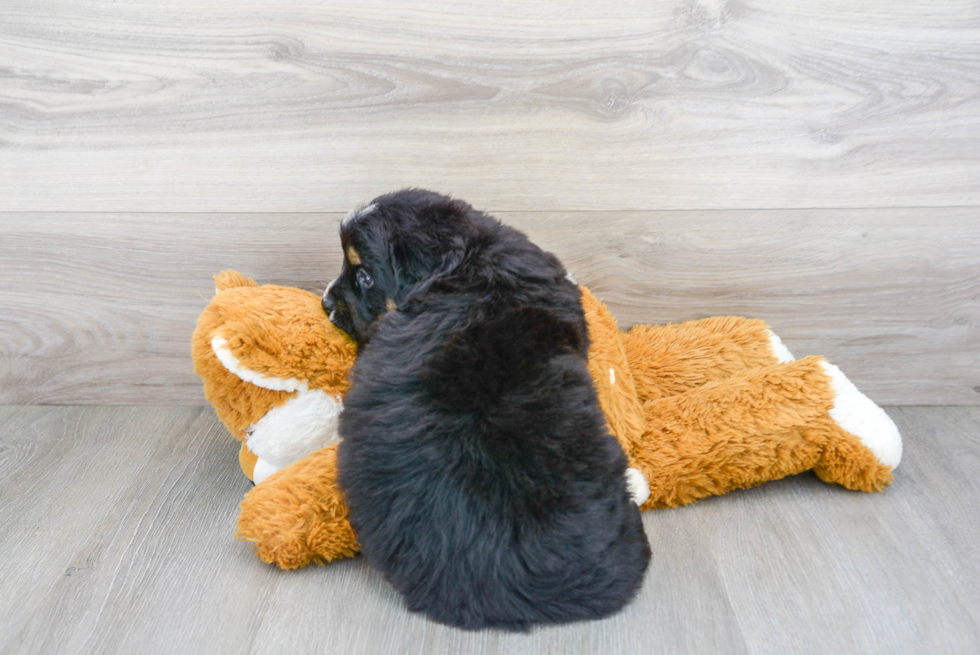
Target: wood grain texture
244, 105
883, 575
99, 308
116, 536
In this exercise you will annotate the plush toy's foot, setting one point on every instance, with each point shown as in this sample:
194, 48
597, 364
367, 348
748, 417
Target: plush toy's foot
762, 425
312, 539
298, 515
863, 443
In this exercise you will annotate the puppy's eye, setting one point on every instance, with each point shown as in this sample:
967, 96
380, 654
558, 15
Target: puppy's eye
364, 279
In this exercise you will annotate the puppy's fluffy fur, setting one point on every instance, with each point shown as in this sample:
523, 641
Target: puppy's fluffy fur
480, 475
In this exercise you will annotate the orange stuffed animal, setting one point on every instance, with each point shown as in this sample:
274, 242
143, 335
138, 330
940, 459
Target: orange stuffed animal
700, 408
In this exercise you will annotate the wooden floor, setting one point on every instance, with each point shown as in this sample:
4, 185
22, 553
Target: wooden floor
116, 537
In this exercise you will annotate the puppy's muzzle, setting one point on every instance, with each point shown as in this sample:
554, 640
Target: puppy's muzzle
339, 313
329, 306
334, 310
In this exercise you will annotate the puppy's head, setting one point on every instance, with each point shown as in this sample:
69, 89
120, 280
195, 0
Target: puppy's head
394, 246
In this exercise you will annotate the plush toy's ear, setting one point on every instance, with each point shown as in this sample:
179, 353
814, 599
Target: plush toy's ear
612, 376
238, 341
229, 279
251, 336
279, 338
237, 403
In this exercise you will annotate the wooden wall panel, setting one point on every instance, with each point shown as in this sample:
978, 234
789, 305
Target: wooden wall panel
246, 105
99, 308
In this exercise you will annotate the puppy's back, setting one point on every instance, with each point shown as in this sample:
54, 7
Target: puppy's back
481, 478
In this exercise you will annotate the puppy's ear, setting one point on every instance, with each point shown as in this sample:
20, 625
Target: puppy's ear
434, 246
416, 272
410, 264
453, 252
452, 225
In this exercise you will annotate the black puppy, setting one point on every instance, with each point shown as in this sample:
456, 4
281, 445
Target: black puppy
479, 472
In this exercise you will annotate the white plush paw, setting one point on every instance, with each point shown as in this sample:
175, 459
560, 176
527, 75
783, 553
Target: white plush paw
637, 485
860, 416
782, 352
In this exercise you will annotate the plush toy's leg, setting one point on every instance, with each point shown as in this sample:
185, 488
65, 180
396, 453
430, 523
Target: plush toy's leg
667, 360
298, 515
759, 425
864, 444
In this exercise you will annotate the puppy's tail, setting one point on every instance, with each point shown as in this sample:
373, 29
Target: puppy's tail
490, 360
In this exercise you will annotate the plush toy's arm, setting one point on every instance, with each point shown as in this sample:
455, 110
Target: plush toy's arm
298, 515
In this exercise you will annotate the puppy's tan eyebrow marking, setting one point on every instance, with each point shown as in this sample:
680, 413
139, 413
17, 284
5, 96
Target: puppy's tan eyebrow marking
390, 304
352, 256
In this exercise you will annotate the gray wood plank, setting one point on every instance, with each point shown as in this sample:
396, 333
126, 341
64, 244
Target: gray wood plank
570, 105
60, 479
822, 570
651, 624
116, 536
99, 308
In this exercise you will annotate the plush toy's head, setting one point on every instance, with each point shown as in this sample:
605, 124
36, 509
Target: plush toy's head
274, 368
